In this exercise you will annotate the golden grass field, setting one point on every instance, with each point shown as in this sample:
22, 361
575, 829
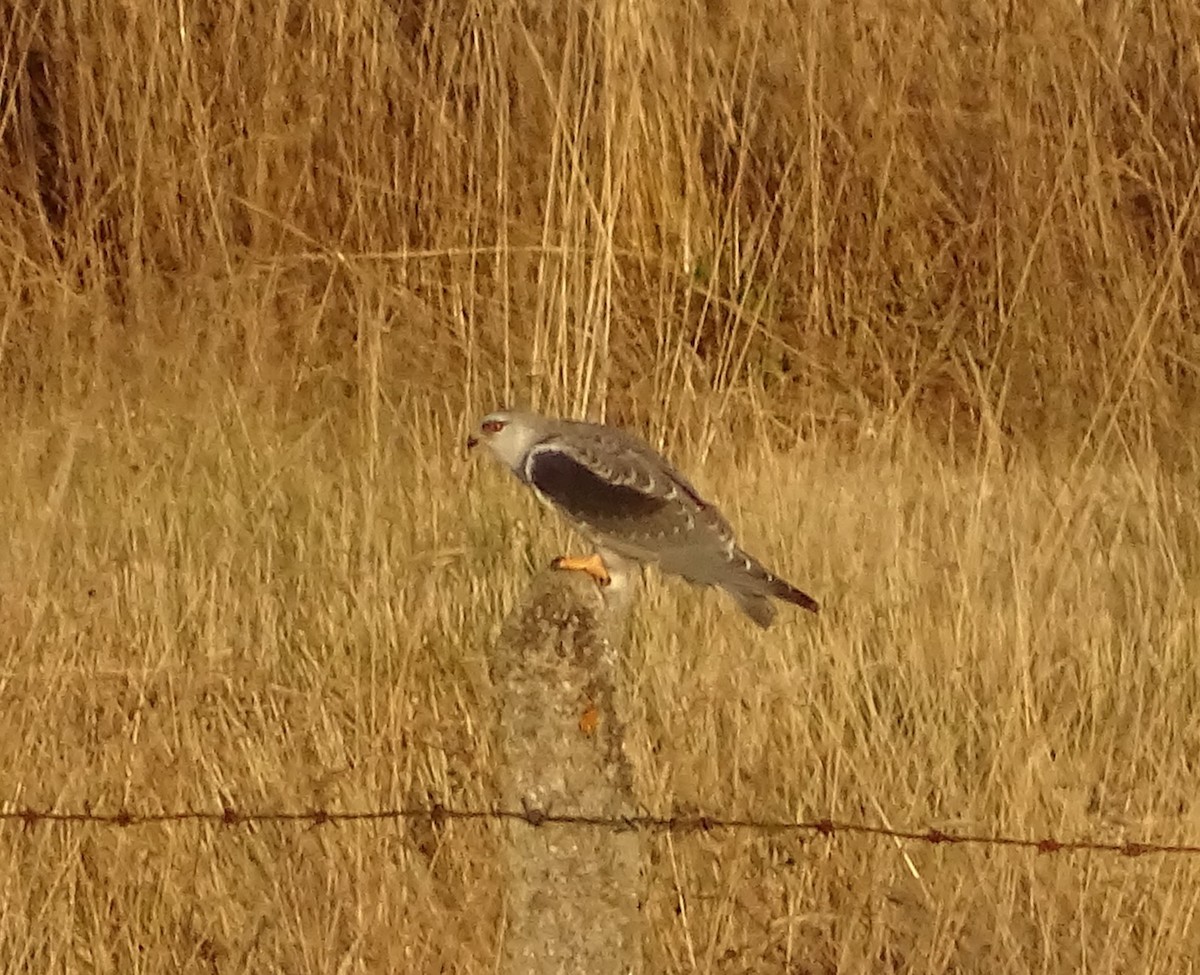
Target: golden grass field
908, 289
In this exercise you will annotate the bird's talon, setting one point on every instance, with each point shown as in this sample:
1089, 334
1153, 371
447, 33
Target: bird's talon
593, 565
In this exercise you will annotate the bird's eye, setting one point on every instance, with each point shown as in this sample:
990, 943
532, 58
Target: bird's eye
493, 426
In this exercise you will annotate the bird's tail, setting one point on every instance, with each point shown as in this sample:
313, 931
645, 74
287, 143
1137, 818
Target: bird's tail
754, 591
782, 589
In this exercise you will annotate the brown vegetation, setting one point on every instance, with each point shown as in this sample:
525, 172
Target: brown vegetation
910, 287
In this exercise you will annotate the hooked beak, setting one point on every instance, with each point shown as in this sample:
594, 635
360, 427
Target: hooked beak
472, 441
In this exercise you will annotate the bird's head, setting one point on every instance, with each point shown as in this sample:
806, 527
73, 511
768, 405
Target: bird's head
508, 435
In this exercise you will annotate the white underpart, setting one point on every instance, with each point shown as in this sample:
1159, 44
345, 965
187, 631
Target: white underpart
623, 575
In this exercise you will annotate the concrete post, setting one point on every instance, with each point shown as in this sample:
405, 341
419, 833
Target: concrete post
574, 893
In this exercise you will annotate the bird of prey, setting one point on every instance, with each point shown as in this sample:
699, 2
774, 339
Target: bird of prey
632, 504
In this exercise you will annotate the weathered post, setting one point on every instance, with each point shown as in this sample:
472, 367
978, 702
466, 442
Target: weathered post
574, 893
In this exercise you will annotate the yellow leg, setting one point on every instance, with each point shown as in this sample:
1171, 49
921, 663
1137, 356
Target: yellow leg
592, 564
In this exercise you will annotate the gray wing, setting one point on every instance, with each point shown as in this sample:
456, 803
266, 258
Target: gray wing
625, 494
619, 489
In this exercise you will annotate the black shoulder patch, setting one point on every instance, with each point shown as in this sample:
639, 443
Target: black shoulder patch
582, 493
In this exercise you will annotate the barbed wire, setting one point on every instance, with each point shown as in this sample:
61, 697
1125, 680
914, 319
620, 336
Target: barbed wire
438, 815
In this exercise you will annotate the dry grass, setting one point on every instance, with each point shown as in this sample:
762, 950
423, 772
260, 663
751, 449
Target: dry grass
210, 607
933, 267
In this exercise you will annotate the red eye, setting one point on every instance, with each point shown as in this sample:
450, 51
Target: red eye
493, 426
